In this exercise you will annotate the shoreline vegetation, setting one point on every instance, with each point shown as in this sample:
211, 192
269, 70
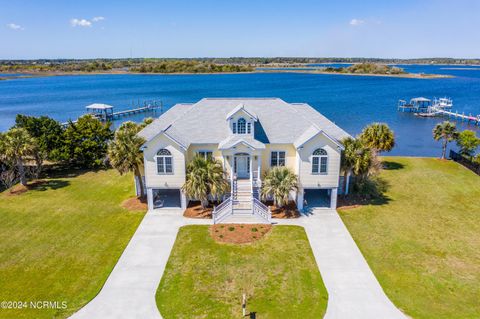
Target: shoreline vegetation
33, 68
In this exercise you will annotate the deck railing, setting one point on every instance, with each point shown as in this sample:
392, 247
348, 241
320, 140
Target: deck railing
260, 209
223, 210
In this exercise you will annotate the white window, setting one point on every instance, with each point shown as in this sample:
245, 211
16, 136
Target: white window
241, 126
277, 158
164, 162
319, 161
208, 155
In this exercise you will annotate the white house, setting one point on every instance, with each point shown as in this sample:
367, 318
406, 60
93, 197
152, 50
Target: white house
248, 136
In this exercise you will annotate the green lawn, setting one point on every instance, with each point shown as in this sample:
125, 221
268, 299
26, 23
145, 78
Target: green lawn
60, 241
424, 243
205, 279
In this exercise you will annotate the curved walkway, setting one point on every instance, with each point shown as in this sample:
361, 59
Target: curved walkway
129, 291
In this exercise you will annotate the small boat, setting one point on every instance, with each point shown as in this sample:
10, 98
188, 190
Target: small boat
433, 114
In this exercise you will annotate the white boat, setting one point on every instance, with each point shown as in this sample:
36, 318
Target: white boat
443, 103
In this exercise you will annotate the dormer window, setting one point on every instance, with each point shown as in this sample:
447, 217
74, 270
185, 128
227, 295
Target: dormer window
241, 126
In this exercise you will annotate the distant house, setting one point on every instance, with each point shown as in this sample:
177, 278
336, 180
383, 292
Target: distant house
248, 136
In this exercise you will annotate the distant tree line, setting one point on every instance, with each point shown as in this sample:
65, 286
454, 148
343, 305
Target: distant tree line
182, 66
367, 68
196, 65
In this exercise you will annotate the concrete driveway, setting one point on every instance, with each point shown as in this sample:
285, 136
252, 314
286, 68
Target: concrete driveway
129, 291
353, 290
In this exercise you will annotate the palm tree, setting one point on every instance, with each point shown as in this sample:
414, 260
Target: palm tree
278, 183
124, 151
18, 144
356, 158
446, 131
205, 177
378, 137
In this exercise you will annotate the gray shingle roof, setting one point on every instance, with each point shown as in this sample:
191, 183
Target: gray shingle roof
237, 139
205, 121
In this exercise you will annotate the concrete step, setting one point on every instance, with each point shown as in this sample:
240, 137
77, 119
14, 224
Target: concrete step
243, 219
239, 211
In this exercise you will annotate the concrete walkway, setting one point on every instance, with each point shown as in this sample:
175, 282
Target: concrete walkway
129, 291
353, 290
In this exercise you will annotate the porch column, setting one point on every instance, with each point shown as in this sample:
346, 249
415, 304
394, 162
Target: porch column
345, 191
150, 198
183, 200
333, 198
259, 167
300, 198
251, 167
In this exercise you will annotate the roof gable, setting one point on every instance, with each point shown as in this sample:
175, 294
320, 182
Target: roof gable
241, 109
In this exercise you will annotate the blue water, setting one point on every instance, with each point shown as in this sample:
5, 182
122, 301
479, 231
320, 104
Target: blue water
350, 101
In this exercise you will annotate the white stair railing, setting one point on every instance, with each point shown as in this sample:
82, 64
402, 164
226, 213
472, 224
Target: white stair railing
261, 210
223, 210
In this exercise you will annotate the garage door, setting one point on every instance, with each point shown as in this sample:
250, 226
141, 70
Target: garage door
315, 198
166, 198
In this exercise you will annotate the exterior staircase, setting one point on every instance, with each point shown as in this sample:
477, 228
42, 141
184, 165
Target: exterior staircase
243, 206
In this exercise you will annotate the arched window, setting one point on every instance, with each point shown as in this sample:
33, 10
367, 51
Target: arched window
241, 126
319, 161
164, 161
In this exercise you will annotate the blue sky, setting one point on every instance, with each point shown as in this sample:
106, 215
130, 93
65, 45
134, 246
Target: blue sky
367, 28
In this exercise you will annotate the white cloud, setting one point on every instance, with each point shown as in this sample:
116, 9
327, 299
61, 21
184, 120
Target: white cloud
84, 22
80, 23
15, 27
356, 22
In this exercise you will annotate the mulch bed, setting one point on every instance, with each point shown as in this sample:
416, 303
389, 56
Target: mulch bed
239, 233
195, 210
288, 211
135, 204
20, 189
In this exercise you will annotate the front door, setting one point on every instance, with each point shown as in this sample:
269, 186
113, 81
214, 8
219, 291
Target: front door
242, 166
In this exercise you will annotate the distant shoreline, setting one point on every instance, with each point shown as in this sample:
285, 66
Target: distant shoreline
23, 74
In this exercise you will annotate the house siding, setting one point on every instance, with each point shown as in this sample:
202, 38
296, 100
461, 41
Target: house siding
328, 180
153, 179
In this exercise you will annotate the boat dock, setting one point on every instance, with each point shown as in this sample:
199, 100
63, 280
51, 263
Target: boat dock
105, 112
462, 117
424, 107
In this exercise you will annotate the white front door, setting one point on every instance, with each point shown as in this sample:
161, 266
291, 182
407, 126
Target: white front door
242, 166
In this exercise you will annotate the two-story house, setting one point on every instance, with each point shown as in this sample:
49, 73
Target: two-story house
248, 136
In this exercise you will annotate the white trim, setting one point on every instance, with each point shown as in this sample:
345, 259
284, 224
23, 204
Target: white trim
278, 158
204, 151
156, 157
319, 170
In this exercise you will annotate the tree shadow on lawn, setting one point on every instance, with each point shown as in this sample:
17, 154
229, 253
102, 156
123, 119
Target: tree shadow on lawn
371, 192
44, 185
392, 166
66, 171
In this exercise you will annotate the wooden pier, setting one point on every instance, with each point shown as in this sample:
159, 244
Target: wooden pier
105, 112
423, 107
472, 119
